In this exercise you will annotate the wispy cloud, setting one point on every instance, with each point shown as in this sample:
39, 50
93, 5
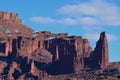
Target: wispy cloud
88, 21
95, 37
68, 21
41, 19
112, 37
47, 20
92, 15
104, 12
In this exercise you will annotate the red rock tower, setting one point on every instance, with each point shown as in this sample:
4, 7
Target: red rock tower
104, 50
100, 54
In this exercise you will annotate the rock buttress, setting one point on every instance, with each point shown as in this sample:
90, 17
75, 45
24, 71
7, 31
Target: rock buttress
100, 54
69, 51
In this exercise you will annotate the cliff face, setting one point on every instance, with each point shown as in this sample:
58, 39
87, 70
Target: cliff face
9, 23
28, 54
100, 53
8, 16
68, 51
41, 53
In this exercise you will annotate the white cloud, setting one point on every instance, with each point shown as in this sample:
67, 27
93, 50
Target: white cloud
68, 21
90, 15
40, 19
95, 37
112, 37
105, 13
84, 21
77, 10
64, 21
88, 21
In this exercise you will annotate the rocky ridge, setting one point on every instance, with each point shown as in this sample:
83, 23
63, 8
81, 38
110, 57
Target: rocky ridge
42, 54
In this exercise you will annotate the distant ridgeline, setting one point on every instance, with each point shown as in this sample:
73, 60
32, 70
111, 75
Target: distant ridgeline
24, 52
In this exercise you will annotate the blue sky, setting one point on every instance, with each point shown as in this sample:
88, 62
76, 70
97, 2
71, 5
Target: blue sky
86, 18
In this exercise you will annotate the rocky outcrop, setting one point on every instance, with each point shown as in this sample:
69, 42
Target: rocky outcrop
41, 55
9, 23
53, 54
8, 16
86, 48
25, 53
35, 70
69, 51
100, 53
3, 64
113, 68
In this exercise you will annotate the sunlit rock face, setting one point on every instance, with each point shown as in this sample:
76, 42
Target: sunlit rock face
10, 23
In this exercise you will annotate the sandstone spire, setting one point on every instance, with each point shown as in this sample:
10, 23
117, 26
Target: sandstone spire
100, 54
104, 49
